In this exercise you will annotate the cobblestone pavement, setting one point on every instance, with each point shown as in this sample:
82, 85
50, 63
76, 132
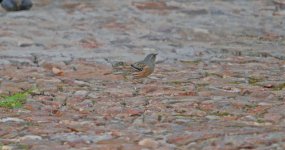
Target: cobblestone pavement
218, 84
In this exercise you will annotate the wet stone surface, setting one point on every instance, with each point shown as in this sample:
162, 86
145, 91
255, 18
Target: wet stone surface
219, 81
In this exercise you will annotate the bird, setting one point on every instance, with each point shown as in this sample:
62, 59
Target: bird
145, 67
16, 5
137, 70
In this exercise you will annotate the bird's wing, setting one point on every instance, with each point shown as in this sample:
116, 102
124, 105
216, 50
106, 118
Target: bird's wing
139, 66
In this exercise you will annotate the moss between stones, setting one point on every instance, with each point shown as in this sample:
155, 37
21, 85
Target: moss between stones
279, 87
254, 80
14, 101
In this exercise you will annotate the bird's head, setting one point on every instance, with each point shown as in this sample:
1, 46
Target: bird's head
150, 57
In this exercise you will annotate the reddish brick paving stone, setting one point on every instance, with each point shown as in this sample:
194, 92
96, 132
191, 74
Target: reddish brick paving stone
218, 82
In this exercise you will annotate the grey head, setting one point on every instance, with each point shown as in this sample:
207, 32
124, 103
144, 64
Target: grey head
150, 58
